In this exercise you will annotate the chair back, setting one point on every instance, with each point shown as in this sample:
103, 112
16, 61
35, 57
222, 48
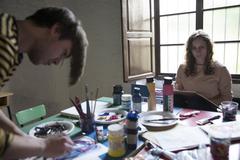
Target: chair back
28, 115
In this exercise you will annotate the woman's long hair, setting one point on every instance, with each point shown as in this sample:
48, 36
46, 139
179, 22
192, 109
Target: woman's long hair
190, 69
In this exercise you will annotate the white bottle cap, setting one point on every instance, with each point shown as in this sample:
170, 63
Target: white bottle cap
126, 97
114, 129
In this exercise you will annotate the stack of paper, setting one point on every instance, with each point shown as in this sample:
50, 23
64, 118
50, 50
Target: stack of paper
233, 127
179, 137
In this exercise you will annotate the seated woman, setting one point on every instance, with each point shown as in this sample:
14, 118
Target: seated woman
200, 73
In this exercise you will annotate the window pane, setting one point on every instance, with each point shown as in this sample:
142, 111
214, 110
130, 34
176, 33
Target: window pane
171, 58
218, 53
164, 59
176, 29
207, 4
219, 3
176, 6
233, 2
232, 24
164, 30
207, 23
231, 57
139, 15
213, 3
163, 5
186, 27
181, 55
168, 6
172, 29
218, 25
238, 62
192, 23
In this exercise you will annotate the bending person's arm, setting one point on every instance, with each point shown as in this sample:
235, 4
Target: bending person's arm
7, 125
27, 146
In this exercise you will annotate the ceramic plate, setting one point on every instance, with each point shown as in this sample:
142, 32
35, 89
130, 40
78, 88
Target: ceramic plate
52, 128
147, 117
110, 116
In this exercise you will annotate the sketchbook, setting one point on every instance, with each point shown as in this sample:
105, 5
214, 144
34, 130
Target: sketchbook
194, 100
177, 138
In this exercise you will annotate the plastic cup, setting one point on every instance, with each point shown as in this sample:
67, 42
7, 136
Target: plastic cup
220, 141
229, 110
87, 124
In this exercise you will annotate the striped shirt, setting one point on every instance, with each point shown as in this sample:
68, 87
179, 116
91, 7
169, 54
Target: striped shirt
9, 56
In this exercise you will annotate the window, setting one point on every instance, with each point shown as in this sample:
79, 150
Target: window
170, 24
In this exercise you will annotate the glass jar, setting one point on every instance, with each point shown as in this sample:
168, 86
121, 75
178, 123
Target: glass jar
116, 140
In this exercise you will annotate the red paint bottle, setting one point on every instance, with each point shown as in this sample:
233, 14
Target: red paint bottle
168, 94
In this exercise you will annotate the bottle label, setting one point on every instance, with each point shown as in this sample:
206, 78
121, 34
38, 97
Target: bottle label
126, 105
117, 99
137, 107
168, 103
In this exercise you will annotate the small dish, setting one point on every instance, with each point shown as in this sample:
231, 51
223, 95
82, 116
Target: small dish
52, 128
110, 116
158, 119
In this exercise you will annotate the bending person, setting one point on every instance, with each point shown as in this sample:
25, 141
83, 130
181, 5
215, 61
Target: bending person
47, 37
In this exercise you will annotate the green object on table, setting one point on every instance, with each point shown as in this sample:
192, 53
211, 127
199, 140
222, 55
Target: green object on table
105, 99
56, 117
28, 115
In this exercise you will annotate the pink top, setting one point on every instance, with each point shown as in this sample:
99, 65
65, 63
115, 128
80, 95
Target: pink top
215, 87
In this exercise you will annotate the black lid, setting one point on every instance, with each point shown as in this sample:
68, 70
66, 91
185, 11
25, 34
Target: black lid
117, 88
149, 79
159, 77
168, 80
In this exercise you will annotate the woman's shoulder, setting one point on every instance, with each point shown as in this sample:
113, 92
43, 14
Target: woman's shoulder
217, 64
182, 66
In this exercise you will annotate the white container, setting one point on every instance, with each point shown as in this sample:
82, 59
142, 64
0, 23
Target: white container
126, 102
116, 140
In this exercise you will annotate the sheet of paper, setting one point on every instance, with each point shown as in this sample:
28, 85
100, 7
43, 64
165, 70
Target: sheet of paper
233, 127
84, 148
179, 137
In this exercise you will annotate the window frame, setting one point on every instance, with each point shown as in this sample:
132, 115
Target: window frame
199, 25
155, 45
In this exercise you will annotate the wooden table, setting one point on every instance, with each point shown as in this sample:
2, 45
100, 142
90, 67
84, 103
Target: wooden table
4, 102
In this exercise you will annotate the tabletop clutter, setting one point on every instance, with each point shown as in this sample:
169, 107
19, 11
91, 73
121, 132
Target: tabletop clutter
123, 129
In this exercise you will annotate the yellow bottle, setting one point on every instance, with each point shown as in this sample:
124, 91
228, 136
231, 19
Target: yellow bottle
116, 140
152, 94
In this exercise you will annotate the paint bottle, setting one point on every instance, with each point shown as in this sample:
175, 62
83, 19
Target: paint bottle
152, 94
167, 94
126, 102
116, 140
132, 129
117, 95
137, 100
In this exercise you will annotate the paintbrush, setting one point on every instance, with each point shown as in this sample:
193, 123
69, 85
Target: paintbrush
87, 102
95, 103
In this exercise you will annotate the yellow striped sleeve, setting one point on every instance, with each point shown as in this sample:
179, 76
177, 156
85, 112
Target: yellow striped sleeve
4, 24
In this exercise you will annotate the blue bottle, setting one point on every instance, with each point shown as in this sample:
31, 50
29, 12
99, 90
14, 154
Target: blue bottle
132, 130
137, 100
